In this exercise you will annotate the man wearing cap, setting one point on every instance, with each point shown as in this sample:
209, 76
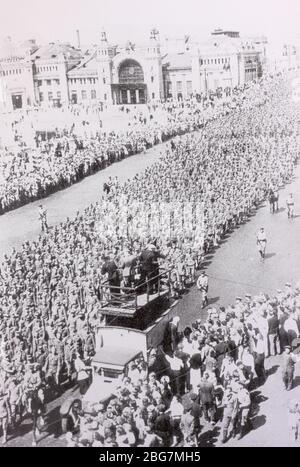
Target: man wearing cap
43, 218
230, 404
273, 334
149, 266
187, 425
244, 404
111, 269
207, 397
261, 241
288, 367
290, 203
202, 284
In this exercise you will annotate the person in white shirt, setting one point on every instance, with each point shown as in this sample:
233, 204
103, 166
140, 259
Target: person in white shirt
176, 366
83, 374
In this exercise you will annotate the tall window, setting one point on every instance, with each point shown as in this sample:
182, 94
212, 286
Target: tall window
83, 94
48, 81
41, 97
58, 94
179, 86
189, 88
93, 94
50, 96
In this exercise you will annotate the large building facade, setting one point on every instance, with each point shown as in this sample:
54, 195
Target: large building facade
58, 73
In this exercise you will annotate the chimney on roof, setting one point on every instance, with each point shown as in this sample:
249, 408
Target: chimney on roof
78, 38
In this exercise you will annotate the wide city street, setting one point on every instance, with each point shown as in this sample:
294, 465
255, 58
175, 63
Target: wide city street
233, 268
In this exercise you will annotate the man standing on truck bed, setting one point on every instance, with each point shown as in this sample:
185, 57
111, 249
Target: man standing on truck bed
111, 269
150, 267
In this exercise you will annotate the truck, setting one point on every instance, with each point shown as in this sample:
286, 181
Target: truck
133, 325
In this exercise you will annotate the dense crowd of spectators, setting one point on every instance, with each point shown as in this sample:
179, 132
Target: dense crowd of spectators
76, 151
208, 377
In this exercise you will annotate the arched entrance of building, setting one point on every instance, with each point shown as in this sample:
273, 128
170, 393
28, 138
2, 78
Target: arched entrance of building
131, 88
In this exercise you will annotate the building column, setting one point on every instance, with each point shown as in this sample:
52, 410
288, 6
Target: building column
128, 96
137, 96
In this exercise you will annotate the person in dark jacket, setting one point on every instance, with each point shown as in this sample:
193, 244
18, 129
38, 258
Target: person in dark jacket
207, 398
163, 426
273, 334
196, 412
150, 267
111, 269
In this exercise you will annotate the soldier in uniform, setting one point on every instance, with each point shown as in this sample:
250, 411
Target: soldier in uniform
261, 241
52, 370
229, 403
244, 404
290, 206
288, 367
202, 284
43, 218
5, 413
32, 382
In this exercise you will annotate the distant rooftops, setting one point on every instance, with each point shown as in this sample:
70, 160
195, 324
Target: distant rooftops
221, 32
55, 49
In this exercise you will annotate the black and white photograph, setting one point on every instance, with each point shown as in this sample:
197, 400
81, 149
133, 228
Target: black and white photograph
149, 224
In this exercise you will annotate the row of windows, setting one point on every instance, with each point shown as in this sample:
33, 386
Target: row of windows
214, 61
48, 82
50, 96
11, 59
46, 68
188, 84
84, 94
15, 71
84, 80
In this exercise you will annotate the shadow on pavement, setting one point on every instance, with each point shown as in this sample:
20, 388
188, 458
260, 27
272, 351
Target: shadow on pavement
258, 421
211, 301
272, 370
269, 255
296, 382
209, 437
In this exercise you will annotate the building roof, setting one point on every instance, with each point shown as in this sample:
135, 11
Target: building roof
115, 355
180, 60
87, 66
220, 45
53, 50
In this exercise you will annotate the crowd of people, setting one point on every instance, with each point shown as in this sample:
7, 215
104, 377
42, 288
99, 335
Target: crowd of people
203, 375
75, 151
204, 184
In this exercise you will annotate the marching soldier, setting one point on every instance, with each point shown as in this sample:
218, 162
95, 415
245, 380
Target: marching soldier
261, 241
43, 218
202, 284
288, 367
244, 404
5, 413
290, 206
230, 403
